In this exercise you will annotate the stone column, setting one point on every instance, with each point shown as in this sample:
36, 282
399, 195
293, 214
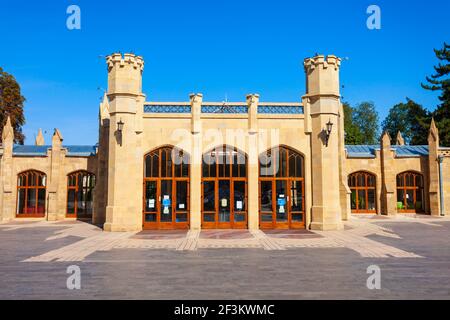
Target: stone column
388, 178
7, 205
433, 165
344, 189
322, 76
253, 163
56, 155
101, 187
196, 162
125, 158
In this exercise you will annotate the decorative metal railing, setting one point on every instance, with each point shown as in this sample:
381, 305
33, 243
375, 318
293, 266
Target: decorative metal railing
280, 109
224, 108
153, 108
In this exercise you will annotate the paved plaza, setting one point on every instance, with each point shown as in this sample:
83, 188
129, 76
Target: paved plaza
413, 253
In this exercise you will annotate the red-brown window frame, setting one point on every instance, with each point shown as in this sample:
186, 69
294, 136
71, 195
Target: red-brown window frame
158, 224
414, 187
27, 187
75, 187
284, 176
366, 189
231, 178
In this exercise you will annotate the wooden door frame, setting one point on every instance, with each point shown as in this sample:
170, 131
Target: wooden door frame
224, 225
366, 189
415, 189
158, 225
282, 225
77, 174
26, 188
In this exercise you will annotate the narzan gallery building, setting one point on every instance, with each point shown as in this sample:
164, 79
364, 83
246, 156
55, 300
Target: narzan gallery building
199, 164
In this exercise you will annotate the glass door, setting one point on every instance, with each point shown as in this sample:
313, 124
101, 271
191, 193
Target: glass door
165, 198
281, 205
150, 201
239, 204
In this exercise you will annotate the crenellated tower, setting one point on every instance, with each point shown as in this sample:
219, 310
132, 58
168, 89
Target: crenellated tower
323, 114
125, 165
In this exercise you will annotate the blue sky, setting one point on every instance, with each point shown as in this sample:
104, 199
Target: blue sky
219, 48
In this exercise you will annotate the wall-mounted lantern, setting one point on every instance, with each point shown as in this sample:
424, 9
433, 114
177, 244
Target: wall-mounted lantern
120, 126
328, 131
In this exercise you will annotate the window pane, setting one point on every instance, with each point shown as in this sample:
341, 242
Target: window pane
166, 200
281, 204
150, 196
419, 200
400, 199
362, 199
410, 199
353, 200
224, 200
31, 201
71, 201
296, 196
182, 196
41, 201
371, 199
209, 196
239, 201
266, 197
21, 201
182, 217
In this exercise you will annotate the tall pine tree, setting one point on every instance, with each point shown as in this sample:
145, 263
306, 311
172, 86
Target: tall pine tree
440, 81
11, 105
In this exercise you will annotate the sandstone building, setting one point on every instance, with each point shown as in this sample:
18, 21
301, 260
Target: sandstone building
199, 164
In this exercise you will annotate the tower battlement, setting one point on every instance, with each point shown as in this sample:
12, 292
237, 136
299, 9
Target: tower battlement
322, 75
330, 60
128, 58
125, 74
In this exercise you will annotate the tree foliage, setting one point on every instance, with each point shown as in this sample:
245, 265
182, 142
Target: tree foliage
361, 123
411, 119
440, 81
11, 104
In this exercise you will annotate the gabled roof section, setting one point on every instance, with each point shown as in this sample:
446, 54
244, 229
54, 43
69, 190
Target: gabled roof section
410, 151
361, 151
401, 151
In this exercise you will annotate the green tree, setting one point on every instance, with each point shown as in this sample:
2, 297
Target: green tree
411, 119
365, 117
440, 81
352, 132
11, 104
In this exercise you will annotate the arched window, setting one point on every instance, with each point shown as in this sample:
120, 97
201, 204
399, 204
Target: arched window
31, 189
281, 189
80, 194
166, 189
410, 192
363, 197
224, 188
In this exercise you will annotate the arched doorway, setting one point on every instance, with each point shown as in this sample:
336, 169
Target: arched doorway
281, 189
80, 194
31, 193
224, 188
166, 189
363, 197
410, 192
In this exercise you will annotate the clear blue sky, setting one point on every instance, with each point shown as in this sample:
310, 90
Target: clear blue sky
218, 48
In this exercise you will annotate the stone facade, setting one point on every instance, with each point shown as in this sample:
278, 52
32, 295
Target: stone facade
130, 127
